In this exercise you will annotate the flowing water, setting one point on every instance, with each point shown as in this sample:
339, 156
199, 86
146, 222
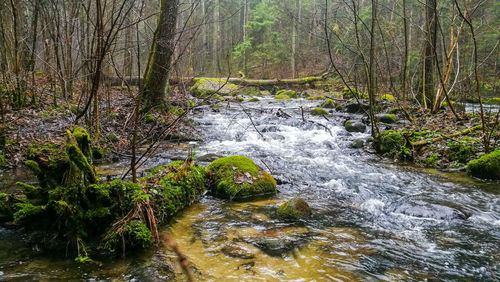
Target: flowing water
372, 220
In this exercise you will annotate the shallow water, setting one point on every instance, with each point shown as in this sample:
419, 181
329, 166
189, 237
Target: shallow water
371, 219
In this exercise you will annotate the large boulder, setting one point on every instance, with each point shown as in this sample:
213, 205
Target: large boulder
239, 178
354, 126
486, 167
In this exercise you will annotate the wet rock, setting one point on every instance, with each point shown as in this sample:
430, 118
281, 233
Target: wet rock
237, 250
355, 107
357, 144
239, 178
208, 158
354, 126
278, 242
429, 210
386, 118
295, 208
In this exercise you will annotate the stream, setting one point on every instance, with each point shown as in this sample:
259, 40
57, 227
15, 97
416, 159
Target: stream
372, 219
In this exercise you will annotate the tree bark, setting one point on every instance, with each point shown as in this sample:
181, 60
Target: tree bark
159, 64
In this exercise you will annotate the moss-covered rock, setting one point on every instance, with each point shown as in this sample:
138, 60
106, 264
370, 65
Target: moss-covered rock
354, 126
204, 87
392, 144
282, 97
3, 162
386, 118
296, 208
388, 97
486, 167
289, 93
357, 143
253, 100
319, 112
315, 98
328, 104
238, 178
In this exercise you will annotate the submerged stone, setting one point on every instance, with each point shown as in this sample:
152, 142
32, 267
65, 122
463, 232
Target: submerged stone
486, 167
296, 208
238, 177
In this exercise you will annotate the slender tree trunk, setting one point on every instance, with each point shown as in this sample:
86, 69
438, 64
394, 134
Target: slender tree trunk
430, 44
159, 63
372, 86
405, 56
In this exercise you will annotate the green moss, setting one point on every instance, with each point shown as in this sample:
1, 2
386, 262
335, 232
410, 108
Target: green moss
149, 118
27, 212
139, 234
388, 97
459, 152
492, 101
319, 112
353, 93
204, 87
315, 98
486, 167
282, 97
3, 162
252, 100
4, 202
80, 160
238, 177
176, 111
392, 144
387, 118
328, 104
83, 141
395, 110
289, 93
176, 185
239, 99
296, 208
431, 160
250, 91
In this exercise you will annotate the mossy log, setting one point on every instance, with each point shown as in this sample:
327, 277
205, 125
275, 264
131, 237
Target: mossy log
134, 81
72, 209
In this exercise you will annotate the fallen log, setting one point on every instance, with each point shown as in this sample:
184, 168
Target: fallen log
135, 80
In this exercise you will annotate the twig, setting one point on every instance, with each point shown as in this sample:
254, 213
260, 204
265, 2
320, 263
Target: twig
183, 261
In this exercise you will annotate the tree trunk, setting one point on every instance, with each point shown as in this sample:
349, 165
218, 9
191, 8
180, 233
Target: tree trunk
430, 44
159, 64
